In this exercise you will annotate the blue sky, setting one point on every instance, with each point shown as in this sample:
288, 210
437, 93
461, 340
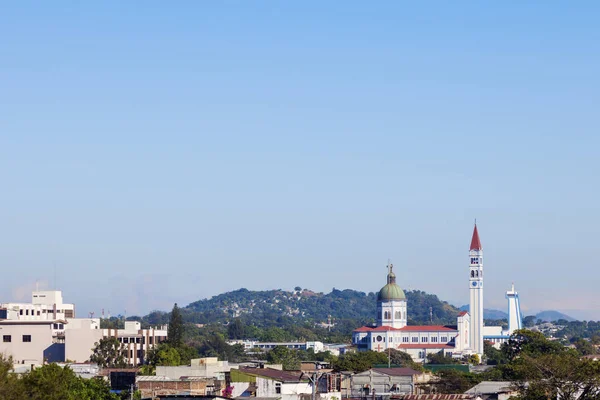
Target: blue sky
153, 154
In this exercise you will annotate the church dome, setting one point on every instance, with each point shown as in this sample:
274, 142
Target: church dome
391, 291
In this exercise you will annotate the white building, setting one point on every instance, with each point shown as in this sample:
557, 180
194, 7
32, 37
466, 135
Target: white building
476, 293
465, 338
45, 305
392, 332
46, 330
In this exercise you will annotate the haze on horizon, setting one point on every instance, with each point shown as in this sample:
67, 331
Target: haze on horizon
152, 155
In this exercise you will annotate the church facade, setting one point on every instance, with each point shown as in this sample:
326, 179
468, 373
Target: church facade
466, 337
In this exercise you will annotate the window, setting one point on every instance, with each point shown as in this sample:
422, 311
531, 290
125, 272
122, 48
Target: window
6, 338
26, 312
405, 339
278, 388
26, 338
472, 274
38, 313
398, 314
391, 339
424, 339
443, 339
20, 312
434, 340
415, 340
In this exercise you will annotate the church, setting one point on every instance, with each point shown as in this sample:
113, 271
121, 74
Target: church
467, 337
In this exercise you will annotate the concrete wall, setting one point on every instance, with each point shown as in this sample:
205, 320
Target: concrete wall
80, 342
381, 383
289, 391
26, 352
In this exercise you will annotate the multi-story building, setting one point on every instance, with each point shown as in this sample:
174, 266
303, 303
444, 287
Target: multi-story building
46, 330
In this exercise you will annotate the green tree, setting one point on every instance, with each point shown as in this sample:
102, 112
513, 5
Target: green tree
440, 358
236, 329
529, 321
454, 381
359, 362
107, 353
51, 382
401, 358
288, 358
10, 385
585, 347
164, 354
175, 329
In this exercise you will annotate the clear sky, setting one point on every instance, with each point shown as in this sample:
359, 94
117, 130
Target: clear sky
153, 153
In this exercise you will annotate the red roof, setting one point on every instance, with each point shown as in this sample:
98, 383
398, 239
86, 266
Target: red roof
475, 242
424, 346
412, 328
462, 313
427, 328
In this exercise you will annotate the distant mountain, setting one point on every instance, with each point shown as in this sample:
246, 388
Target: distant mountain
552, 316
489, 313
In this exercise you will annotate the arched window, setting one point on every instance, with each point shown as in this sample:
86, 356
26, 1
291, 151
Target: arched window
476, 274
398, 314
472, 274
387, 315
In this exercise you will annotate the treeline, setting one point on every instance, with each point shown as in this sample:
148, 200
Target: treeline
278, 315
51, 382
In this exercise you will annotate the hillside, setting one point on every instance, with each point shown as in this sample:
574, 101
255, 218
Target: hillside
552, 316
273, 307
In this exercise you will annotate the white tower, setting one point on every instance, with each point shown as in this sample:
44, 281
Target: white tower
391, 303
476, 293
514, 311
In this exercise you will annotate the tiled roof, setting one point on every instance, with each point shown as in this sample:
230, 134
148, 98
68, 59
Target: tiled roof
427, 328
411, 328
463, 313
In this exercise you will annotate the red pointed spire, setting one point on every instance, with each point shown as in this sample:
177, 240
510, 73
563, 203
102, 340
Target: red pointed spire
475, 242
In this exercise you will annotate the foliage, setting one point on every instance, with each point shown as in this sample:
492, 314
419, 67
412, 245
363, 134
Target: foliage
164, 354
440, 358
454, 381
107, 353
175, 329
359, 362
288, 358
51, 382
403, 359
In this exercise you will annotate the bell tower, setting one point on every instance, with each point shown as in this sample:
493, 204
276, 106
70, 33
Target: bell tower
476, 293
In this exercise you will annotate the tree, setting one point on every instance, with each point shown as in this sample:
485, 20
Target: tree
584, 347
529, 321
52, 382
288, 358
236, 329
107, 353
474, 359
10, 385
175, 329
359, 362
454, 381
440, 358
164, 354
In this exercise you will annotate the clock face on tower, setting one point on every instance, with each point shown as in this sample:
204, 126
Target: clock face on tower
474, 284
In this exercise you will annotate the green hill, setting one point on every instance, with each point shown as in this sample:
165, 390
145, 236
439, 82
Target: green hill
279, 307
